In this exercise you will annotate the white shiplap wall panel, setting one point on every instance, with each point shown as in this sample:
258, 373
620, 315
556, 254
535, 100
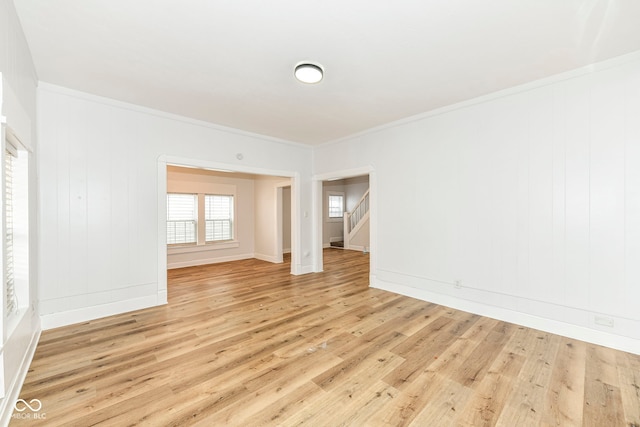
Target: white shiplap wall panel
100, 222
523, 285
75, 164
607, 225
65, 285
540, 195
545, 223
632, 196
575, 117
49, 229
99, 159
124, 219
558, 198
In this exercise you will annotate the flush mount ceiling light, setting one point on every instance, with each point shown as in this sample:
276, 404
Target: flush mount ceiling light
307, 72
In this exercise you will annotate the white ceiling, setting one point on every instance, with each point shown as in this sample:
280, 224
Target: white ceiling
231, 62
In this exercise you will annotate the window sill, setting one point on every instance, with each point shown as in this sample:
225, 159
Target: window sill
202, 248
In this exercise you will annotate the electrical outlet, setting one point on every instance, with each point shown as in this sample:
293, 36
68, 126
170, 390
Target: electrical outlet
604, 321
457, 284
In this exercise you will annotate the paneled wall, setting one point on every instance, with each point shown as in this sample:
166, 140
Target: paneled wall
528, 199
99, 188
19, 334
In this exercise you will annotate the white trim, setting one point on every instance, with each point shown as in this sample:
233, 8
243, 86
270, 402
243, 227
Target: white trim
557, 327
343, 174
206, 261
207, 164
318, 218
162, 298
269, 258
13, 390
13, 139
17, 117
173, 250
304, 269
296, 226
279, 226
162, 228
587, 69
85, 314
163, 114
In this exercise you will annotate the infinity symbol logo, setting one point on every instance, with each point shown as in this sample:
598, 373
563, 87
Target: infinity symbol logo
37, 405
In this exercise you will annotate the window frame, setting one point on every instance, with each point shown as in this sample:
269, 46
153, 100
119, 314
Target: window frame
328, 196
232, 220
196, 222
16, 229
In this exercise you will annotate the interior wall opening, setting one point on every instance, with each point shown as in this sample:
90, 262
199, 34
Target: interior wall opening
217, 216
344, 214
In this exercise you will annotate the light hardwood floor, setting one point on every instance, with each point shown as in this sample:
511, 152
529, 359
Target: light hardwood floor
247, 344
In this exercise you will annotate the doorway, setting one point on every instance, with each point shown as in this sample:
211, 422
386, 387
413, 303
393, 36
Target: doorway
265, 222
344, 191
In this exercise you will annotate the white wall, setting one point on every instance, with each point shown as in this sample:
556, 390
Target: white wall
102, 244
354, 189
529, 197
18, 106
268, 218
286, 219
190, 180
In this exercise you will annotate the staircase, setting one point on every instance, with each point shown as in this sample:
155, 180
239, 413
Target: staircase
356, 226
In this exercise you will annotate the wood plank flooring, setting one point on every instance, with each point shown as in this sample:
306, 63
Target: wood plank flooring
247, 344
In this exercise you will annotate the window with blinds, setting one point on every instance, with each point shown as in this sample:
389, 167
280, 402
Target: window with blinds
336, 206
182, 216
218, 211
11, 298
15, 209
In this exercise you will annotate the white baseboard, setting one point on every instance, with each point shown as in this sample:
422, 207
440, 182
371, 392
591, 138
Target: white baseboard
553, 326
162, 297
355, 248
13, 390
85, 314
205, 261
336, 239
269, 258
286, 251
302, 269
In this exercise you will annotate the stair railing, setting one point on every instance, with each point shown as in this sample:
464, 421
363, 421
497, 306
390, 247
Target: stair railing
359, 211
353, 218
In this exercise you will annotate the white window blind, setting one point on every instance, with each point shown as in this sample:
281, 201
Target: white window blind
336, 206
218, 217
11, 297
182, 215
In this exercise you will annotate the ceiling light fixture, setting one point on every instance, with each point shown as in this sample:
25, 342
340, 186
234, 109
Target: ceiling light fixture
307, 72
